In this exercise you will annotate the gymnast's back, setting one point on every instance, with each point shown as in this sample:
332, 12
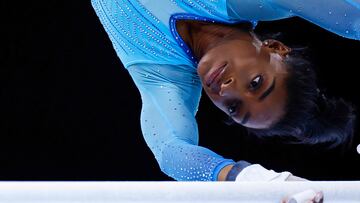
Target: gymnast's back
142, 30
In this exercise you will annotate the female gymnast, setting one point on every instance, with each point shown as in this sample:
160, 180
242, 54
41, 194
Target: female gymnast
174, 48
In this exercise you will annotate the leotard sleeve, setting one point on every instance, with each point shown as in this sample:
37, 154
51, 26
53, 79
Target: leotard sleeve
341, 17
170, 97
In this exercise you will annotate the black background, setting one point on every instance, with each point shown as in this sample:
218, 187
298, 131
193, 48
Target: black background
69, 111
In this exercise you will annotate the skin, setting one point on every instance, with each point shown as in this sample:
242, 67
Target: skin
244, 59
318, 198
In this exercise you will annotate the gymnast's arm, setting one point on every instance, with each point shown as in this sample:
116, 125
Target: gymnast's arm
170, 97
341, 17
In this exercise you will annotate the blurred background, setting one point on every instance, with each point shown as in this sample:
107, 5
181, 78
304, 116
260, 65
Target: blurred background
69, 110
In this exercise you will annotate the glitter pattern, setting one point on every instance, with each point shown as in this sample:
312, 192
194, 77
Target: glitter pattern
339, 17
139, 36
170, 96
134, 31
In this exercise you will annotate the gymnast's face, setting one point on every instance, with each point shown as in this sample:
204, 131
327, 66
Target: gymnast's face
246, 80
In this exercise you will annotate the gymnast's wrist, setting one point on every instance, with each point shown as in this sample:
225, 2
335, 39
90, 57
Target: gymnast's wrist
223, 172
236, 169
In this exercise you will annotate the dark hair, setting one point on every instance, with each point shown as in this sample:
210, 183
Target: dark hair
310, 117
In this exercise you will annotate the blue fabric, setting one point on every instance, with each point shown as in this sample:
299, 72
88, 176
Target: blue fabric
140, 29
163, 68
338, 16
170, 96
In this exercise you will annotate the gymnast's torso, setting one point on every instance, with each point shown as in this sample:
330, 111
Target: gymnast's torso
144, 31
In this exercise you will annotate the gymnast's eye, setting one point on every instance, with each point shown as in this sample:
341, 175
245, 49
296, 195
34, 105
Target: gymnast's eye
256, 83
232, 109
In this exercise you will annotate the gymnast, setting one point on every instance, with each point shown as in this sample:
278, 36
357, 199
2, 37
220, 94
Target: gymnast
173, 49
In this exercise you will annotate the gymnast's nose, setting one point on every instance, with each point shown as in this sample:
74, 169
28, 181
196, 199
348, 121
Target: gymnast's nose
225, 87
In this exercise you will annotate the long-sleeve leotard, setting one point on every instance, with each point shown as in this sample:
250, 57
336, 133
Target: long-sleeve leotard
170, 97
165, 74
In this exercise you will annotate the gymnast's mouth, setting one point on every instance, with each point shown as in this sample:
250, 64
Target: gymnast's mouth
214, 76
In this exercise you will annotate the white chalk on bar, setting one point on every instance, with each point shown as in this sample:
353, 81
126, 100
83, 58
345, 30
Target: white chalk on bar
171, 191
302, 197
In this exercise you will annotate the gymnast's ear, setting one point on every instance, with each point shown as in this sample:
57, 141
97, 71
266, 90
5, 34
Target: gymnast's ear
275, 46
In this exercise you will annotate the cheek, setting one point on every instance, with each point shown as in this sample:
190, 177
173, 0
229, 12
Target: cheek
217, 102
201, 70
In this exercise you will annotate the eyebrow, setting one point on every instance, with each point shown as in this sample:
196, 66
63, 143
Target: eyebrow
246, 118
268, 91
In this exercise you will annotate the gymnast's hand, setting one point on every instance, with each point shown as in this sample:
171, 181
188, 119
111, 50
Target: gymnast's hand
244, 171
307, 196
255, 172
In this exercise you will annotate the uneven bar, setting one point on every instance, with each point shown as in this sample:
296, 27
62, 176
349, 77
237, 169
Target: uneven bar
184, 192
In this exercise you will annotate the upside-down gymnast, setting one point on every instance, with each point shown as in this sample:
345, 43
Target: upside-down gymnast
174, 48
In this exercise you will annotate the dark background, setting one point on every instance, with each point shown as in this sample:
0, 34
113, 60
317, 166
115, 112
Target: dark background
69, 111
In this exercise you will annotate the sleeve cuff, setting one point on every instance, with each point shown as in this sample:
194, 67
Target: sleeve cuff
236, 169
221, 166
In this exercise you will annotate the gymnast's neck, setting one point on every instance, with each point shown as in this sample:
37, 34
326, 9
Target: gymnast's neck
202, 36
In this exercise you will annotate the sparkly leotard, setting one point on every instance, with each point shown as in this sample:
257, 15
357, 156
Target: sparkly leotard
144, 36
